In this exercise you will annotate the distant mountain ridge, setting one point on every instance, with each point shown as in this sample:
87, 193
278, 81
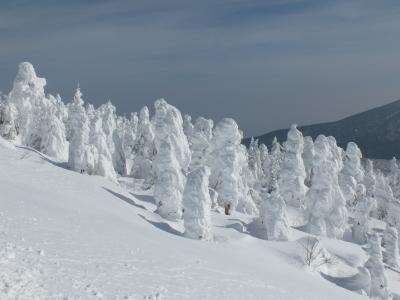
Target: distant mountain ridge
376, 131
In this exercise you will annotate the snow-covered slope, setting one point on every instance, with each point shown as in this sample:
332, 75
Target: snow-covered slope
64, 235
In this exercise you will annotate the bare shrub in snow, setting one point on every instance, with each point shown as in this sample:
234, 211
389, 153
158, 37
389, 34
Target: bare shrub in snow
314, 255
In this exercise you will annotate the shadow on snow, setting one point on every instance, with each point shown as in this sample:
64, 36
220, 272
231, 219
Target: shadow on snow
124, 198
162, 226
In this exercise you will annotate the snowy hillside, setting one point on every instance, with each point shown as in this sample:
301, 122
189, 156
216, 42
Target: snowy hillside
70, 236
95, 205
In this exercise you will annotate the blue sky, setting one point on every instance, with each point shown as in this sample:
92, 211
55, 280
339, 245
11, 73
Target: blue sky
265, 63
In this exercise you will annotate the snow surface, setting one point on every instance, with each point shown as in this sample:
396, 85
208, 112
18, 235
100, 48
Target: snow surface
64, 235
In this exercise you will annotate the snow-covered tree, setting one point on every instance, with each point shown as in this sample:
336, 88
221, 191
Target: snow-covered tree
225, 163
8, 120
391, 239
275, 163
144, 149
127, 133
247, 188
254, 160
383, 196
273, 216
53, 140
336, 154
172, 159
393, 218
370, 179
26, 95
319, 198
352, 173
363, 207
187, 125
374, 264
170, 181
338, 217
100, 158
308, 155
168, 121
292, 173
265, 159
197, 205
79, 134
109, 123
200, 142
394, 178
326, 213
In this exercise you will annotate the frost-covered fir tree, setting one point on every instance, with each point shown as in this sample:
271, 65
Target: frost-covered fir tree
319, 196
127, 132
8, 120
336, 154
27, 92
292, 173
254, 160
363, 207
172, 160
308, 155
383, 196
197, 205
53, 140
379, 285
144, 149
272, 173
225, 163
265, 159
338, 216
168, 120
394, 178
100, 156
391, 239
79, 134
370, 178
200, 142
170, 182
273, 216
247, 185
393, 218
326, 213
28, 97
352, 173
187, 126
109, 123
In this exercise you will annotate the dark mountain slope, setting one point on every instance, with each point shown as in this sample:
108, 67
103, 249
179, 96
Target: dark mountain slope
376, 131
